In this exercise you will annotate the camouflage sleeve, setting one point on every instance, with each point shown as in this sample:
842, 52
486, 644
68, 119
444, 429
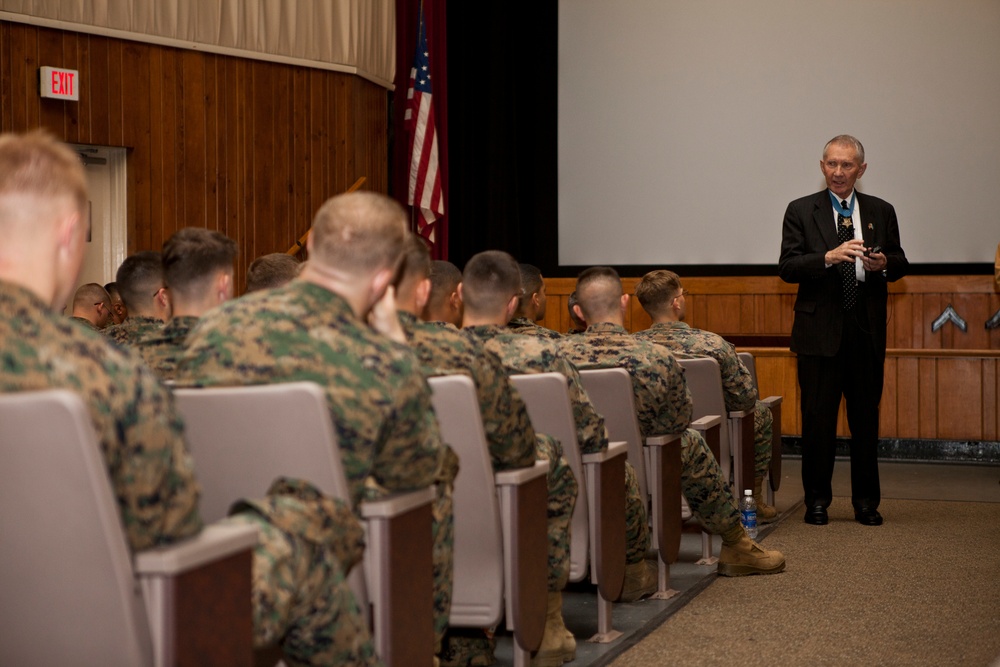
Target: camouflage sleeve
154, 471
410, 452
590, 430
667, 407
505, 417
737, 383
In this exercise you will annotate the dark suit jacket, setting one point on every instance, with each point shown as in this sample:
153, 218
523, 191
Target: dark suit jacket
808, 232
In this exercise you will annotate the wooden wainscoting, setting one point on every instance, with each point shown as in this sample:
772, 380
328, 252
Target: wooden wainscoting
938, 385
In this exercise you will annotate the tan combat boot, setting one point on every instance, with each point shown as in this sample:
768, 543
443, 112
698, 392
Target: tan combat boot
640, 581
553, 650
765, 513
741, 556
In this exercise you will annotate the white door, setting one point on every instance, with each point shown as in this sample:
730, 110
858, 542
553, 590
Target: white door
106, 244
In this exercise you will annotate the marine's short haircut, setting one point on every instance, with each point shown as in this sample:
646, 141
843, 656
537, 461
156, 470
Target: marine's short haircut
36, 163
846, 140
656, 291
531, 279
359, 233
571, 301
415, 263
445, 278
112, 290
192, 255
599, 291
139, 277
89, 294
272, 270
490, 279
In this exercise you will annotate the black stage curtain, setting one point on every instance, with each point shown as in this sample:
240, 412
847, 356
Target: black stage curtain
502, 71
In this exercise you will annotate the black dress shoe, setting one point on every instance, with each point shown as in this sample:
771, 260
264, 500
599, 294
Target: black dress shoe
868, 517
817, 516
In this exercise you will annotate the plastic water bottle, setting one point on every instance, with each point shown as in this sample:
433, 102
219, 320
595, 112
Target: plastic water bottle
748, 514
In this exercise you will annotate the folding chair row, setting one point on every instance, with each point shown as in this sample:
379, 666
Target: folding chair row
72, 592
242, 438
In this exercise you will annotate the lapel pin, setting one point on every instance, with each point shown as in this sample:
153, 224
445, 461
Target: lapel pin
869, 225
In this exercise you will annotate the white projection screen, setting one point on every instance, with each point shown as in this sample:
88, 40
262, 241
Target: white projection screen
686, 126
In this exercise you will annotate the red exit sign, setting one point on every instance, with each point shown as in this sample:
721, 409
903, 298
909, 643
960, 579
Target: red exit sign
60, 84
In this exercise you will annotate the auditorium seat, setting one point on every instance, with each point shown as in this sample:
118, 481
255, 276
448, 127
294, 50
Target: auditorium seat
242, 438
657, 463
501, 543
70, 591
704, 381
598, 545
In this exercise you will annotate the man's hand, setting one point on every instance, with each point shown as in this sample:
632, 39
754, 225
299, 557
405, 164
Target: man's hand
383, 317
846, 252
874, 262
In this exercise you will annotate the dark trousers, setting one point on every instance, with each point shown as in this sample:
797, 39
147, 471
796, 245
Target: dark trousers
856, 372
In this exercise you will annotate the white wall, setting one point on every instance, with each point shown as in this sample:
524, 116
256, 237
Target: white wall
686, 127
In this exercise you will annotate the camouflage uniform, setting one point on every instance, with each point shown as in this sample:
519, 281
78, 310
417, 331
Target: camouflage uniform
306, 544
532, 354
523, 325
162, 348
737, 383
663, 406
379, 403
139, 432
512, 441
85, 322
132, 329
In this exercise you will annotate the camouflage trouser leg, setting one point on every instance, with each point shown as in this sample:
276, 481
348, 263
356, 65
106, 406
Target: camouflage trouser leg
703, 485
443, 527
636, 519
301, 599
563, 487
763, 424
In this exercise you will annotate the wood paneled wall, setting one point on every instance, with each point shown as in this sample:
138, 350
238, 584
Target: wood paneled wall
943, 384
247, 147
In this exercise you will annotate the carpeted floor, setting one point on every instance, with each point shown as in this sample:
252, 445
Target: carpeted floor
923, 589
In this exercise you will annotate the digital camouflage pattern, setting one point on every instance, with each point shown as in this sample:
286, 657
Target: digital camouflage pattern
379, 402
85, 322
523, 325
162, 348
306, 545
663, 406
140, 434
512, 441
132, 329
532, 354
737, 382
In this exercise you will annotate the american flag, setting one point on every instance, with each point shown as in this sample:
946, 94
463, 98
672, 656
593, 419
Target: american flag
425, 175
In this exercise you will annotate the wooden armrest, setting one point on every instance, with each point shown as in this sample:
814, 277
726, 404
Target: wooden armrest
664, 474
605, 473
740, 414
398, 569
706, 422
772, 400
519, 476
198, 597
614, 449
396, 504
523, 500
213, 543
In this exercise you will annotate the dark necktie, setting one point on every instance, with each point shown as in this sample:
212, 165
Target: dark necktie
845, 232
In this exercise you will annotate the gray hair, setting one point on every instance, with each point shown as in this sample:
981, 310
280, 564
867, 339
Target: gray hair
847, 140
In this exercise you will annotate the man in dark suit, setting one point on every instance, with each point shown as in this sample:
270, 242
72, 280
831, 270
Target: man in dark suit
841, 247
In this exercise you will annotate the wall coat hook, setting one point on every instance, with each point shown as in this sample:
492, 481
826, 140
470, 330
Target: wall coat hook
994, 322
